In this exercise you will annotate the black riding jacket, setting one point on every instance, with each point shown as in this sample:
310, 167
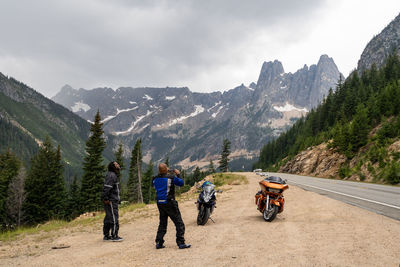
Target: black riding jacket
111, 188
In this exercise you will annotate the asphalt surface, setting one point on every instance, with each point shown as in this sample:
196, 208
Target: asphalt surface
381, 199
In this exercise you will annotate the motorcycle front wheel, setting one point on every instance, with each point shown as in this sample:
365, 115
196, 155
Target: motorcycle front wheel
270, 214
204, 214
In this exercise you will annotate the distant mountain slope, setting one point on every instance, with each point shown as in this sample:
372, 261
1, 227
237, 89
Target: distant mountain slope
354, 134
28, 114
381, 46
189, 127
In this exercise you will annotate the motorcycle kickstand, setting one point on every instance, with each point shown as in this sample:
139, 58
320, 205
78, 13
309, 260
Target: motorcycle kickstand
211, 220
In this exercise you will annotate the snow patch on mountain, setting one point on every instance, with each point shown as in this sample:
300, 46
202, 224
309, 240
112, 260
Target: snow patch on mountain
198, 109
125, 110
170, 98
134, 124
110, 117
216, 104
147, 97
288, 107
80, 106
216, 113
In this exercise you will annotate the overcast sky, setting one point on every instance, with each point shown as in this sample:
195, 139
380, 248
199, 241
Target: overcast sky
207, 45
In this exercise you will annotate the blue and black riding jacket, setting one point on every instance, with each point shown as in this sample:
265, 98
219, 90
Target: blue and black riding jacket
165, 186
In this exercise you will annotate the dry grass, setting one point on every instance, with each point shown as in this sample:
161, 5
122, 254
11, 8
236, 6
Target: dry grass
52, 226
229, 179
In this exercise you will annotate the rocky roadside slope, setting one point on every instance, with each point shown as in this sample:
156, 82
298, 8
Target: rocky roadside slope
316, 161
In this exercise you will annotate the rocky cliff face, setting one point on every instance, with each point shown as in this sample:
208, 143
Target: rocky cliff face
381, 46
316, 161
304, 88
190, 127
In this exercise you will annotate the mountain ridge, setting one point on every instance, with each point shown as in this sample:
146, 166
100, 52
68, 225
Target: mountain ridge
190, 126
381, 46
30, 115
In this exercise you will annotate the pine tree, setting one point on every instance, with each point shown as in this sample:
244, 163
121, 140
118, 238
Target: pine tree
16, 196
135, 179
57, 194
359, 128
147, 185
119, 157
167, 161
44, 185
224, 160
73, 209
211, 168
197, 174
9, 167
94, 170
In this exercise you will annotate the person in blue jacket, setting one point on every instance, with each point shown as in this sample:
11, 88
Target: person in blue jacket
164, 183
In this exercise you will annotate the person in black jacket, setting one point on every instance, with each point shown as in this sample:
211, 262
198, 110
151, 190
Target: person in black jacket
111, 199
164, 183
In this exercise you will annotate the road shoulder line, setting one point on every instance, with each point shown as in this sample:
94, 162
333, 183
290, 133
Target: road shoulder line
347, 195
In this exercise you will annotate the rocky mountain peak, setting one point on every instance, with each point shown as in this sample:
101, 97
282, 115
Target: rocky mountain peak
305, 88
325, 60
67, 88
269, 71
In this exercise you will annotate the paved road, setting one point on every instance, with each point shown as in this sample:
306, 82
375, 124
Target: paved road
382, 199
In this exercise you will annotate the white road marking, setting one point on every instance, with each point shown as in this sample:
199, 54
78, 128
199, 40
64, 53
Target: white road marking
369, 200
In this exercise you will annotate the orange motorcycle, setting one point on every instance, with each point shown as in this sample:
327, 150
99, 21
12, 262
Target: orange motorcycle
270, 200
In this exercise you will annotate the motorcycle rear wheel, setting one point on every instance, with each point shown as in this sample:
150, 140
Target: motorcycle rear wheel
270, 214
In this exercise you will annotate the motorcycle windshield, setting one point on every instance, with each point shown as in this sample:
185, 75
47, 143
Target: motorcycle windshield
208, 188
208, 191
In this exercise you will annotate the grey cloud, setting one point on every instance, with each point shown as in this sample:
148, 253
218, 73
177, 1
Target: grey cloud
137, 43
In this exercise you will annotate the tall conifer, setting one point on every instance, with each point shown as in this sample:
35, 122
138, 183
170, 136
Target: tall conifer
94, 170
44, 185
147, 185
211, 168
197, 174
16, 196
224, 160
135, 179
119, 157
73, 208
9, 166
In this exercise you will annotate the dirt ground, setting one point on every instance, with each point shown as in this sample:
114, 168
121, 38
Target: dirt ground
312, 231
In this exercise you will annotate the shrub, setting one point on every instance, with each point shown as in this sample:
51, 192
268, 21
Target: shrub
344, 171
392, 173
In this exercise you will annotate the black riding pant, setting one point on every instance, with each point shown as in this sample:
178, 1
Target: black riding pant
111, 219
171, 210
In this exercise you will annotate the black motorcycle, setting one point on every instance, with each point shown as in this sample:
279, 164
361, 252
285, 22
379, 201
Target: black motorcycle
206, 203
